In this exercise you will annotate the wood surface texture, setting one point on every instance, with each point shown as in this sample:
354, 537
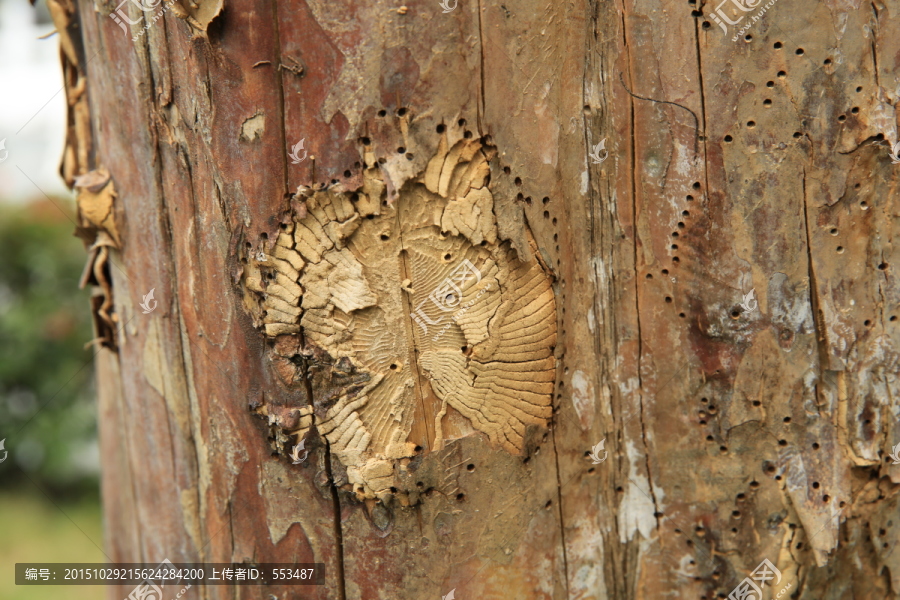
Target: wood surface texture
713, 295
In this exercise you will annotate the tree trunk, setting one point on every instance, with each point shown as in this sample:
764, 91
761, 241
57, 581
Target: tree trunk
518, 300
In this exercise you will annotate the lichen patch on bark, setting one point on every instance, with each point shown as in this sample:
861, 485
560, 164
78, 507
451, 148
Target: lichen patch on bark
432, 327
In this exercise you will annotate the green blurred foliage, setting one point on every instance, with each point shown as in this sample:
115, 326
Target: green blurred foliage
35, 529
47, 409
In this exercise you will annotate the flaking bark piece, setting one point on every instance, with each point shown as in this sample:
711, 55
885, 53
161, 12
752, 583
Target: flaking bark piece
95, 201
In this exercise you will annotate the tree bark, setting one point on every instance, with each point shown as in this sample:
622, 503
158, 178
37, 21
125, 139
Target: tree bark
673, 241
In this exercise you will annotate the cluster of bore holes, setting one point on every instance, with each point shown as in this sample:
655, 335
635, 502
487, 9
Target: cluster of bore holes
705, 413
441, 128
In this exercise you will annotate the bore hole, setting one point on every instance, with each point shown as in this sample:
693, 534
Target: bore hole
867, 322
882, 266
767, 102
417, 449
393, 367
797, 134
770, 84
782, 442
776, 45
401, 112
385, 237
815, 485
833, 231
827, 61
854, 110
685, 213
447, 256
546, 214
782, 74
728, 138
460, 497
706, 25
461, 122
545, 200
548, 504
665, 271
468, 135
754, 484
696, 185
347, 173
748, 38
842, 118
517, 181
815, 445
441, 128
668, 299
382, 113
401, 150
649, 275
757, 403
799, 51
892, 319
682, 315
751, 124
840, 249
786, 419
470, 467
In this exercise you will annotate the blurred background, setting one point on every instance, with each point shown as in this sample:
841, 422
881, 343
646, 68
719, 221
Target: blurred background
49, 494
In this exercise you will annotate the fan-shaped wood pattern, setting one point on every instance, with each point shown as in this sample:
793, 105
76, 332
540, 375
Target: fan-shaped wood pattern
444, 330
